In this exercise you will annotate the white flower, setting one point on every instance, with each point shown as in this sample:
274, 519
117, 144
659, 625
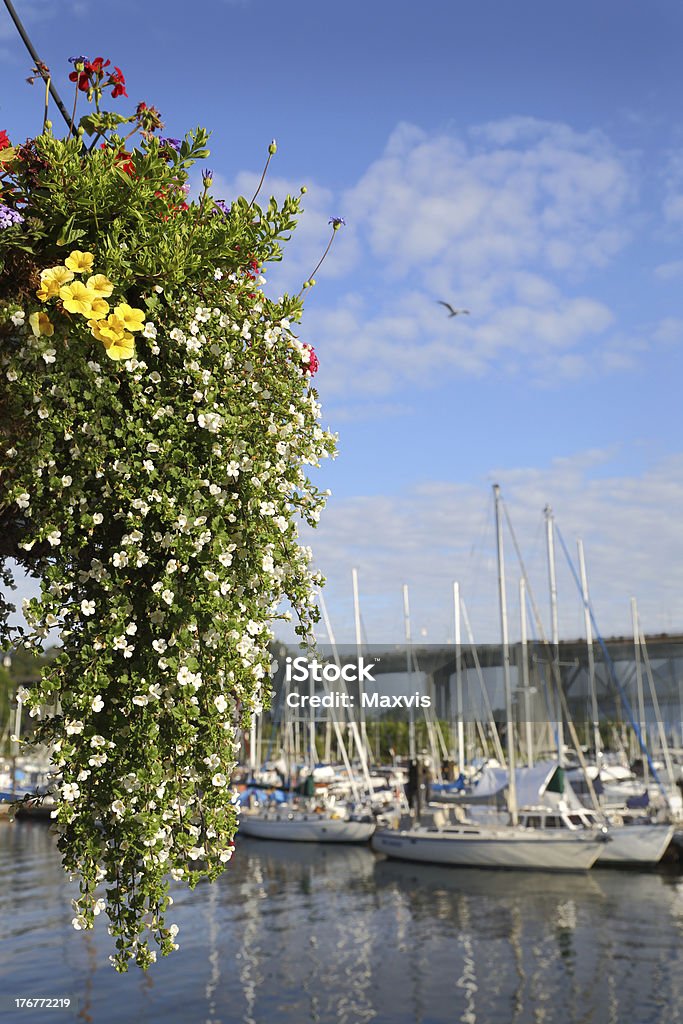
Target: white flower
67, 481
233, 469
18, 317
97, 760
97, 518
74, 728
149, 330
118, 807
54, 538
168, 596
195, 852
210, 576
220, 702
120, 559
70, 791
159, 645
97, 703
88, 607
97, 741
219, 780
23, 500
211, 421
79, 923
141, 699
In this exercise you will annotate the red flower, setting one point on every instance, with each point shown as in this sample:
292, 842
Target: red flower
97, 65
4, 141
312, 365
83, 79
123, 160
119, 83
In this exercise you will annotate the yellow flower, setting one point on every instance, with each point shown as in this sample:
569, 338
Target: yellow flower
114, 336
48, 290
40, 324
133, 319
122, 347
77, 298
101, 285
99, 307
79, 262
55, 276
98, 328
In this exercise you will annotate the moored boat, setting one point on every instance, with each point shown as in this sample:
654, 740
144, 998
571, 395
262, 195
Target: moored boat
485, 846
293, 825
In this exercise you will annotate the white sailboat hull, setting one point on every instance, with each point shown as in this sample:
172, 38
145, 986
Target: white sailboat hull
636, 844
305, 828
478, 847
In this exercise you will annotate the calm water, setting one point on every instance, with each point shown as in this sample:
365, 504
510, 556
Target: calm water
295, 933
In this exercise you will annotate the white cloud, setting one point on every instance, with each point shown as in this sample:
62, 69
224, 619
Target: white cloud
507, 221
436, 532
510, 194
311, 236
671, 271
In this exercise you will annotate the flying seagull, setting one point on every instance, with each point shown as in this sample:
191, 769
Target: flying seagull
453, 312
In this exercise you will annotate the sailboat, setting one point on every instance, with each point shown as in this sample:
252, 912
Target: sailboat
467, 844
320, 821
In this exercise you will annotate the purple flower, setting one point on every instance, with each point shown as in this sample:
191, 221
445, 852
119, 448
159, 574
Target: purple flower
173, 143
336, 222
221, 206
9, 217
78, 60
207, 178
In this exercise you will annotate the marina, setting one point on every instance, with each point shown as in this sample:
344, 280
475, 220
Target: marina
296, 932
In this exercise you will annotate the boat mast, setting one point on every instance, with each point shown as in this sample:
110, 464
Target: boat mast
412, 751
525, 673
597, 740
509, 727
639, 687
359, 651
554, 629
458, 680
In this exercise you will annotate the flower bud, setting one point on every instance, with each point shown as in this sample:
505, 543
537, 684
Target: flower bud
303, 190
272, 148
48, 126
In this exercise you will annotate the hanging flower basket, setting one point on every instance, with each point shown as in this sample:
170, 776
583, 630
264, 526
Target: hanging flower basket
157, 422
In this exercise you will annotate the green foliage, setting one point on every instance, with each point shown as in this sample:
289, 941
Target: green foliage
155, 464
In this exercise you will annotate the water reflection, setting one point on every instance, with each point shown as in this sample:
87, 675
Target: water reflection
296, 932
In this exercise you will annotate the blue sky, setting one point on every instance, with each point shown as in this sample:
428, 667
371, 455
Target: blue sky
522, 160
